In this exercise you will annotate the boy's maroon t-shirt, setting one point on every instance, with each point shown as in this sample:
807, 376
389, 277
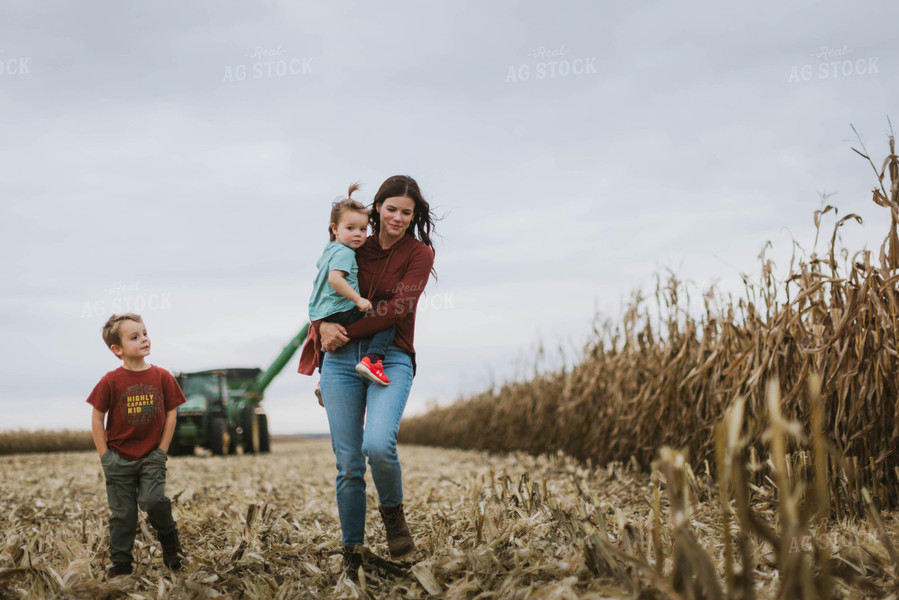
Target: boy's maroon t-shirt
135, 403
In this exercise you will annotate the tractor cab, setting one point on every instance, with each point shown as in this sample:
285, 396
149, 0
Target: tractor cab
223, 406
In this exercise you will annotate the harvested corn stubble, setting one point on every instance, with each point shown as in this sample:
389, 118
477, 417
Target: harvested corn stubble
487, 526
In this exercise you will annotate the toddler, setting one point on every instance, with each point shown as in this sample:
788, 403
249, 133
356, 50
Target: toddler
335, 291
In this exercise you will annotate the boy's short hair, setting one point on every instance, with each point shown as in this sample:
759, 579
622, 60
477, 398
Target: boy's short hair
111, 334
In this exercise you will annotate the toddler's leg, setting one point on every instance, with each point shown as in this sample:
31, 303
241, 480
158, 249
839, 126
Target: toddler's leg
380, 341
371, 366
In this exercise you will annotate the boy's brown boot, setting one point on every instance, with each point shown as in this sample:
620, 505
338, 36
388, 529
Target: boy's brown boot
171, 550
399, 538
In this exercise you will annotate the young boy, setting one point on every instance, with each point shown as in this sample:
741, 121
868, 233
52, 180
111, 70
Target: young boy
140, 402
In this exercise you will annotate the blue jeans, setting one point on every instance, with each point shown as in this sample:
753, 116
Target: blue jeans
364, 418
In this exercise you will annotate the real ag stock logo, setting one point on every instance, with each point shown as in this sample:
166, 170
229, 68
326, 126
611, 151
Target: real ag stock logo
267, 63
14, 66
122, 298
834, 63
551, 63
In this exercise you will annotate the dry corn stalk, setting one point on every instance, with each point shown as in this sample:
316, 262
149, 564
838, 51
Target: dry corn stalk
662, 380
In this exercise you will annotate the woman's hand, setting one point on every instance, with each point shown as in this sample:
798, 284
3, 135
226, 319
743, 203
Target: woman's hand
332, 336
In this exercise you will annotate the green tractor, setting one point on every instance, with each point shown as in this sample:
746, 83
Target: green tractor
223, 409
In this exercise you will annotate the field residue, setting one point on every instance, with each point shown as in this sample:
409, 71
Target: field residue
487, 526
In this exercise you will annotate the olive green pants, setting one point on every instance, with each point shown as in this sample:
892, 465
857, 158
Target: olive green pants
130, 484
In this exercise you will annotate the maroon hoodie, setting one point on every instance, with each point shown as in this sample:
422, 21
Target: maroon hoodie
392, 279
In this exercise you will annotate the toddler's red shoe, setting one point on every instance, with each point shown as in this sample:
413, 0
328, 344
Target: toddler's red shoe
318, 393
373, 371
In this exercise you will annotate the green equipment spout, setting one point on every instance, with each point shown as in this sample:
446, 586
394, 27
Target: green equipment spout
265, 378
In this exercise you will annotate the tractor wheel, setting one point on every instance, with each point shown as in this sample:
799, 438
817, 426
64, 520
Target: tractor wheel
218, 436
232, 444
249, 422
265, 443
177, 449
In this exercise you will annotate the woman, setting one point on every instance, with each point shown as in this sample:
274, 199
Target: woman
394, 265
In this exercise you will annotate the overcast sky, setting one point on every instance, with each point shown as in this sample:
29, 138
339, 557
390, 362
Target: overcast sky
179, 159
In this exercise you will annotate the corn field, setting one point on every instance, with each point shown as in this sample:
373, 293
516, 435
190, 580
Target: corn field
18, 442
667, 380
487, 526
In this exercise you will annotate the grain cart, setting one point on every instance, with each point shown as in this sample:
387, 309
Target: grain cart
223, 409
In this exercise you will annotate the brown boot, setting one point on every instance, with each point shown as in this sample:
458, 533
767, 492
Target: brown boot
399, 538
352, 561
